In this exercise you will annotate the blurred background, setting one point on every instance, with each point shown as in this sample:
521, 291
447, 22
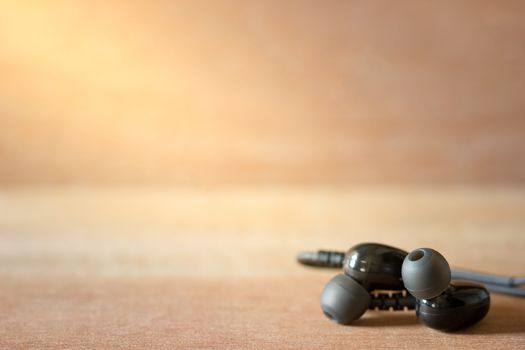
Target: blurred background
132, 132
252, 92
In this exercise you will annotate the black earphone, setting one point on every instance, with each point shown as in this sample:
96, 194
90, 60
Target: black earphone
440, 304
419, 280
366, 267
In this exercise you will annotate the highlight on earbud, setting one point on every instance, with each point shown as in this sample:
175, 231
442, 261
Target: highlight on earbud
425, 273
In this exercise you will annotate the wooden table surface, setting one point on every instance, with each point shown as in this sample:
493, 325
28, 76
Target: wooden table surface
206, 268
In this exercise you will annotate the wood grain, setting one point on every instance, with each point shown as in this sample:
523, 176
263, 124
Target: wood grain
213, 268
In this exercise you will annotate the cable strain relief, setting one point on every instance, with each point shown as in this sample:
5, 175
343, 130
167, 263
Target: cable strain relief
396, 301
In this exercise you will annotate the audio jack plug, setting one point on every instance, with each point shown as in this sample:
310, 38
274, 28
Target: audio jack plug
322, 258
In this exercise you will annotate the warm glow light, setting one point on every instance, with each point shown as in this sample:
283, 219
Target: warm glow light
234, 91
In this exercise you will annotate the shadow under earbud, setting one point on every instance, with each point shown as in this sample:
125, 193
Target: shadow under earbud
386, 319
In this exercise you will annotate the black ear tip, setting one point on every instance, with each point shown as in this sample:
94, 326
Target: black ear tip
425, 273
343, 300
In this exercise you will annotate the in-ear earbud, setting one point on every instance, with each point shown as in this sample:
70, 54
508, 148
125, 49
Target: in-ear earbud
344, 300
439, 304
366, 267
425, 273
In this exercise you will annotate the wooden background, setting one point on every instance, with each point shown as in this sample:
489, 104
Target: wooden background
215, 92
131, 268
162, 162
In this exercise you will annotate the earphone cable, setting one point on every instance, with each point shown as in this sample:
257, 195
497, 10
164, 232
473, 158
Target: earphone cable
487, 278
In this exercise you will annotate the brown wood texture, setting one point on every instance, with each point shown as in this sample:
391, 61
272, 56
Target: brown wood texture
213, 268
234, 91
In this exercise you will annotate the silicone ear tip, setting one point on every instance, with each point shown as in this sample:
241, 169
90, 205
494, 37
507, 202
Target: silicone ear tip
426, 273
343, 300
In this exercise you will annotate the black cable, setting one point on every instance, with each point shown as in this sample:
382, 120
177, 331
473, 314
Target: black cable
487, 279
392, 301
513, 291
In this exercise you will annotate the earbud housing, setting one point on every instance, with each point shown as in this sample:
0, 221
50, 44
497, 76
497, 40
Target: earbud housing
440, 304
366, 267
375, 266
461, 305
